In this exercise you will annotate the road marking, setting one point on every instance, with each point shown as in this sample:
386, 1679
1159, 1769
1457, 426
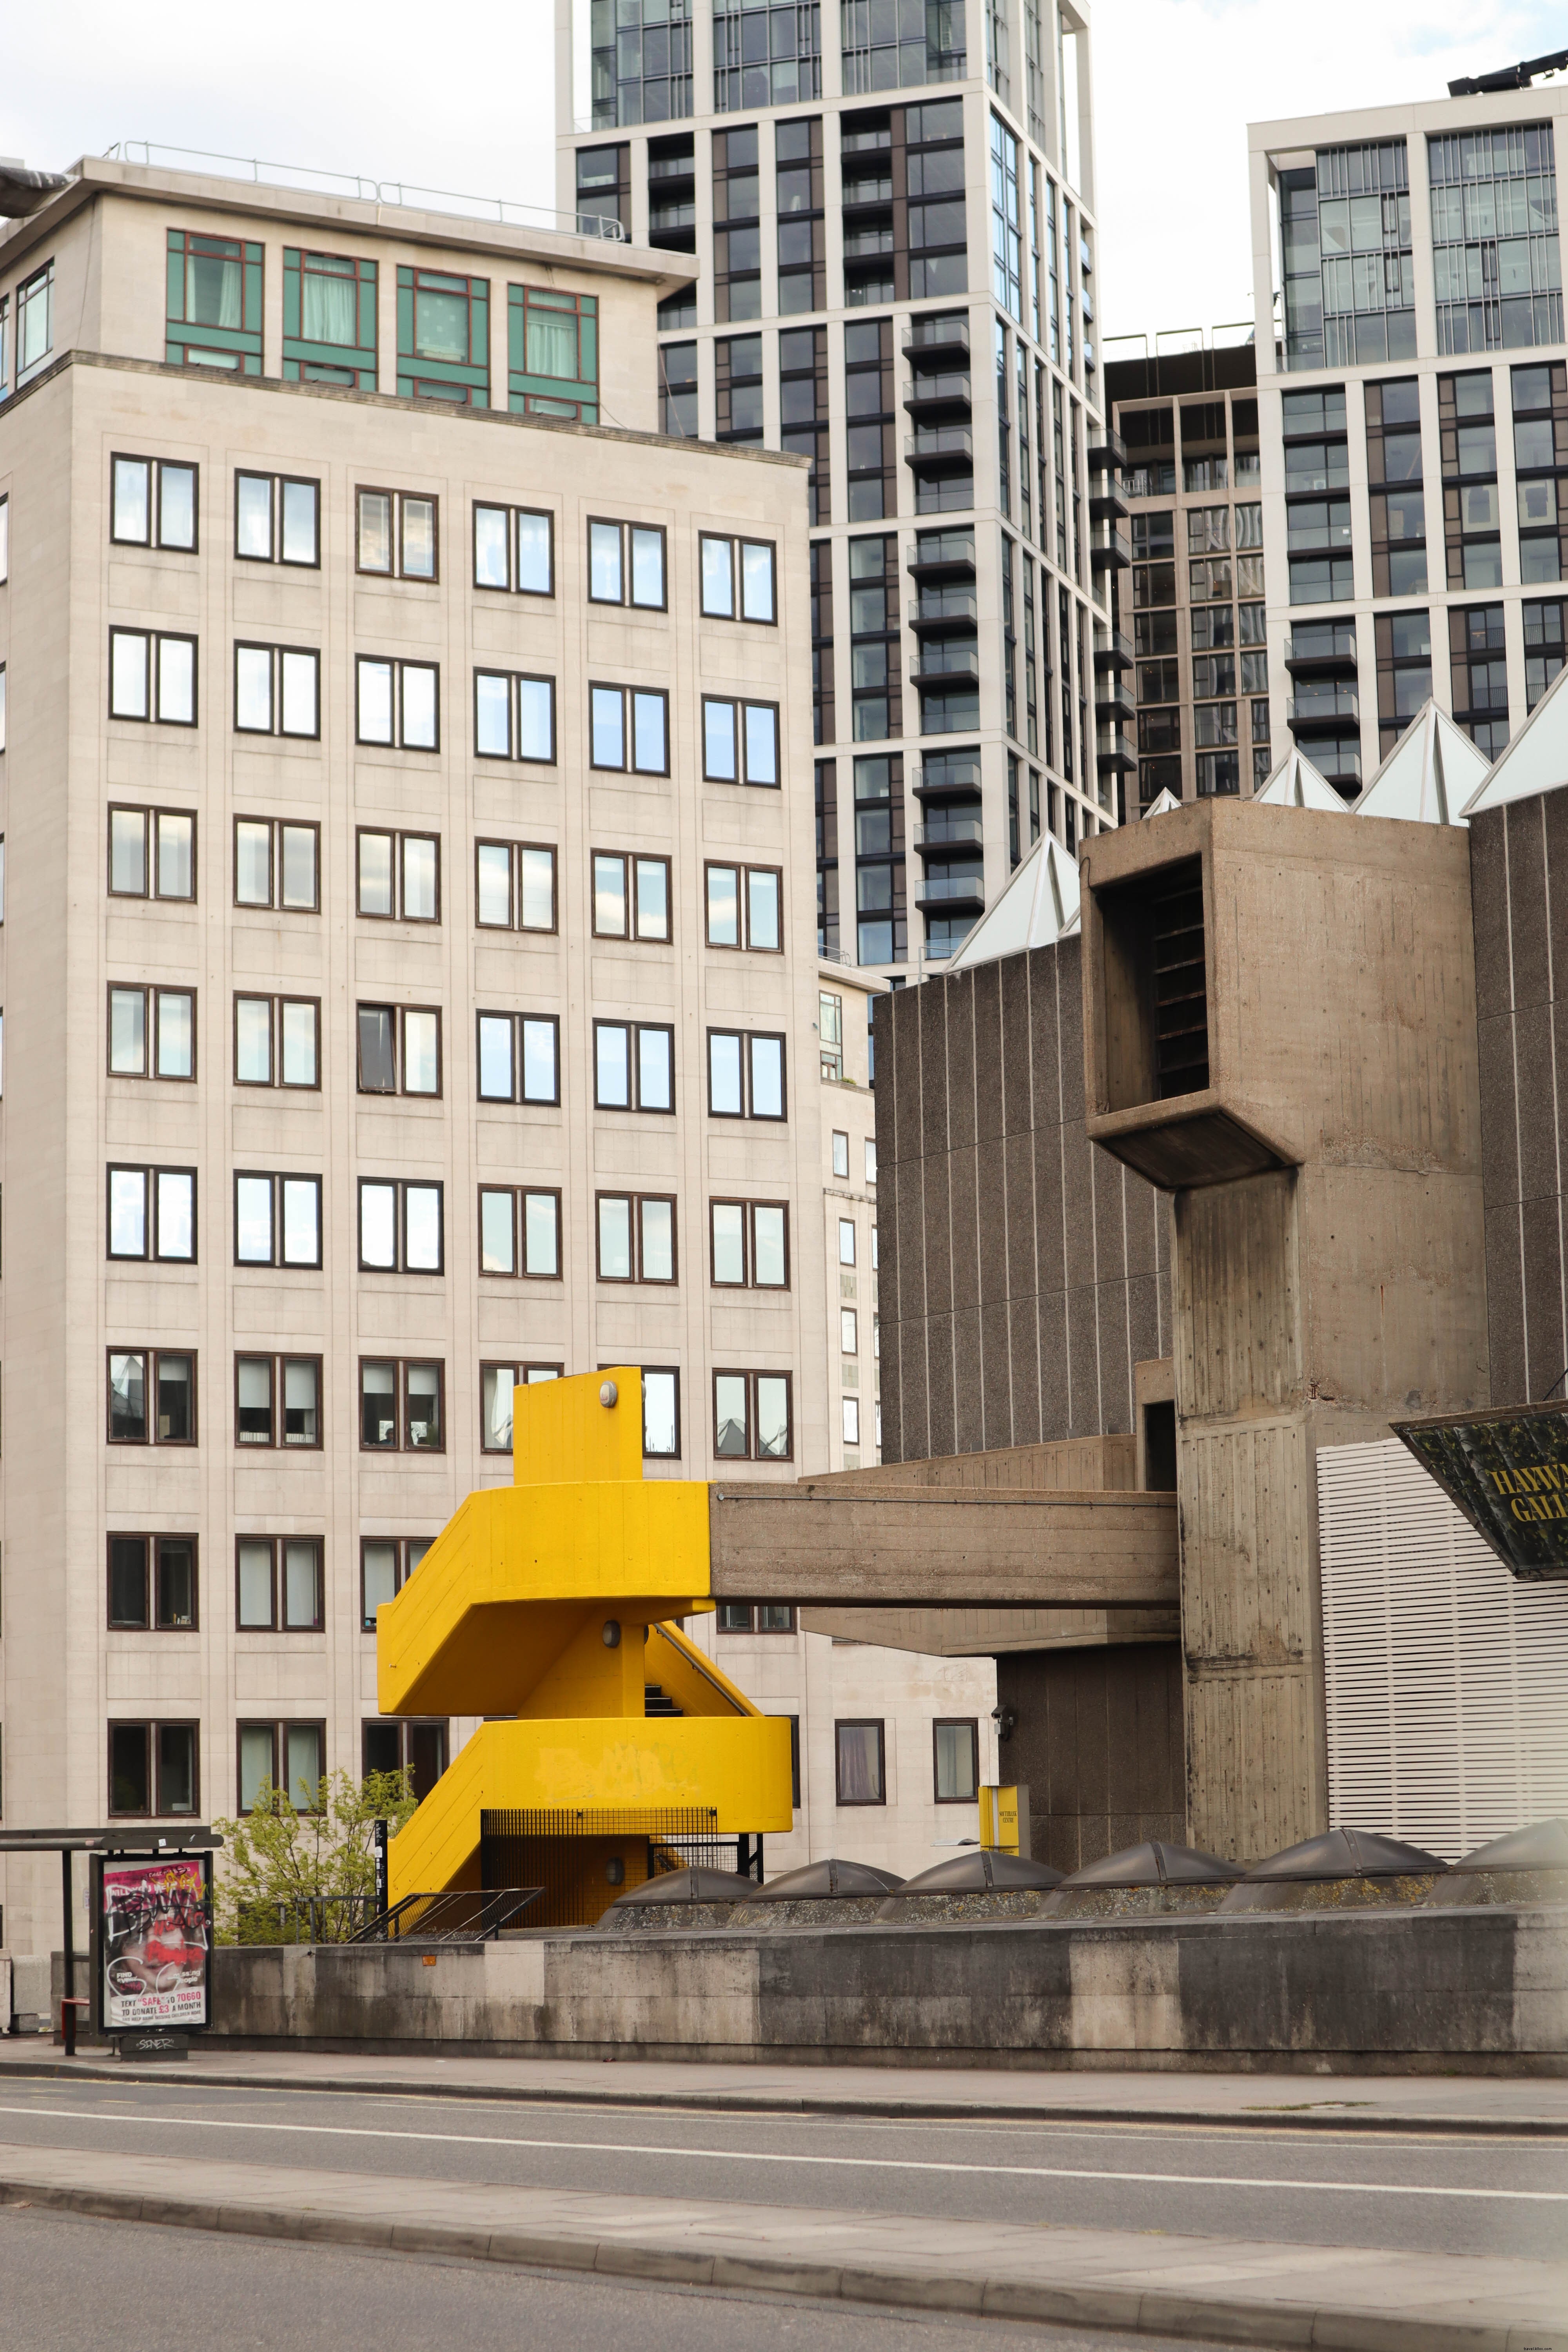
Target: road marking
851, 2163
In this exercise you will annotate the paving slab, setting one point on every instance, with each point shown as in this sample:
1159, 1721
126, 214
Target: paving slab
1465, 2104
1239, 2290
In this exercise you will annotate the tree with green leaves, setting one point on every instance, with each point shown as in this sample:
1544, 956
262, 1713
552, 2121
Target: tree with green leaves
290, 1876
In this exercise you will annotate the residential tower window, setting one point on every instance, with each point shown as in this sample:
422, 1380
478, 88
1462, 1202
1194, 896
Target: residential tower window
1544, 647
214, 303
152, 1397
634, 1066
398, 876
752, 1417
882, 913
626, 564
401, 1406
1480, 667
1497, 273
277, 690
152, 853
152, 1583
152, 503
677, 389
745, 1074
520, 1057
635, 1237
397, 703
514, 547
152, 677
277, 1400
631, 897
1403, 672
798, 193
400, 1227
277, 863
152, 1769
514, 886
152, 1213
744, 907
749, 1243
1539, 448
1344, 226
396, 534
276, 1219
277, 519
520, 1231
514, 717
277, 1584
737, 233
399, 1050
1318, 526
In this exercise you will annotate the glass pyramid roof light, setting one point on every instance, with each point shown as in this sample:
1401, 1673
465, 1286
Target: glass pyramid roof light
1039, 907
1430, 774
1295, 783
1535, 762
1164, 804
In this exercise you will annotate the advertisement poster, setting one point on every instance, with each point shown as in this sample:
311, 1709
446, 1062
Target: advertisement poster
155, 1939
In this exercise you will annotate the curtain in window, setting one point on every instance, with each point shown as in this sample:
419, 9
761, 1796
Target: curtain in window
328, 309
551, 345
859, 1764
211, 292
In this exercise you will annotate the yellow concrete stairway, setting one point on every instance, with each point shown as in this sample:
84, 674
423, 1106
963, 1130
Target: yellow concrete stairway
546, 1606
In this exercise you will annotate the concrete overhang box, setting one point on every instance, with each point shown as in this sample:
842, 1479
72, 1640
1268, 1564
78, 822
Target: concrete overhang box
1163, 1073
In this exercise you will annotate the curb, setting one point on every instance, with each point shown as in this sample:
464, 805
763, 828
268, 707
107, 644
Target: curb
883, 2110
1234, 2319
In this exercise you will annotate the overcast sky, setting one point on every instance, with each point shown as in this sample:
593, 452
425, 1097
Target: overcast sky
1177, 82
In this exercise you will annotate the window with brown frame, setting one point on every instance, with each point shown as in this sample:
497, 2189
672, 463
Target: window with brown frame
514, 717
860, 1760
402, 1226
631, 897
289, 1759
634, 1066
739, 578
402, 1406
626, 564
277, 1041
497, 1383
396, 534
397, 876
277, 519
278, 690
277, 1400
152, 1583
153, 1770
514, 886
755, 1617
152, 852
739, 742
277, 1584
746, 1073
152, 1213
514, 549
744, 907
630, 729
955, 1760
152, 677
752, 1421
151, 1031
399, 1050
151, 1396
520, 1231
634, 1237
398, 704
276, 1218
385, 1565
748, 1243
518, 1057
277, 864
154, 502
401, 1744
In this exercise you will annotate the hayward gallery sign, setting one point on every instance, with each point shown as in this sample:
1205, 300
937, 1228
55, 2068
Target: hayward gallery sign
1507, 1473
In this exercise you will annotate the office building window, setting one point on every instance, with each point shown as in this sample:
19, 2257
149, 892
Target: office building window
738, 578
660, 1411
277, 519
1543, 648
757, 1617
497, 1383
520, 1231
553, 353
745, 1073
520, 1057
626, 565
399, 1050
329, 320
152, 1397
880, 910
214, 306
803, 415
848, 1332
749, 1243
397, 876
849, 1420
514, 717
1318, 507
277, 1400
739, 742
277, 1041
955, 1761
1480, 670
634, 1237
386, 1563
151, 1031
630, 729
152, 1583
801, 252
744, 907
152, 1213
514, 549
514, 886
1344, 233
634, 1066
737, 237
276, 1220
631, 897
401, 1406
277, 690
277, 863
401, 1745
152, 1769
443, 338
1498, 277
859, 1753
752, 1417
152, 677
277, 1584
152, 503
396, 534
840, 1153
830, 1046
281, 1759
678, 389
401, 1228
1404, 643
397, 703
846, 1241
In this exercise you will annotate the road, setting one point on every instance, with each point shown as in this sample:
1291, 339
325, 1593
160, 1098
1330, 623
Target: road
1405, 2192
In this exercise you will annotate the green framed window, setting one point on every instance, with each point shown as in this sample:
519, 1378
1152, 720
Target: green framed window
552, 352
214, 303
329, 319
444, 337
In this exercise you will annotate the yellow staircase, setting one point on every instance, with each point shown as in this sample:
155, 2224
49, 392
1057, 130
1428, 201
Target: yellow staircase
544, 1606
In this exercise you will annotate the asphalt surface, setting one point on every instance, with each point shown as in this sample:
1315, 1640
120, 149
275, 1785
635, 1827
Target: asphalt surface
1404, 2192
70, 2282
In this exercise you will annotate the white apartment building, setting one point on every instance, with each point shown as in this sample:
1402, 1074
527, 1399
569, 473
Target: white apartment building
894, 216
1413, 384
409, 951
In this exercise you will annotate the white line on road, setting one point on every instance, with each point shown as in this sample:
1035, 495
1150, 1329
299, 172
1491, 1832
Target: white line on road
853, 2163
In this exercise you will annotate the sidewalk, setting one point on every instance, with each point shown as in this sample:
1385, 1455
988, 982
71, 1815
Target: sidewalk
1475, 2103
1239, 2290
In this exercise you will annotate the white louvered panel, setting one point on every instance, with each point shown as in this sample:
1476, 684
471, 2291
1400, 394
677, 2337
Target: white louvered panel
1446, 1679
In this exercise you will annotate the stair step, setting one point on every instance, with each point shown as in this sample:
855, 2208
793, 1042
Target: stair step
657, 1701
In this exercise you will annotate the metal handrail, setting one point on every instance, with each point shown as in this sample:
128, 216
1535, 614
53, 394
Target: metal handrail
357, 189
456, 1915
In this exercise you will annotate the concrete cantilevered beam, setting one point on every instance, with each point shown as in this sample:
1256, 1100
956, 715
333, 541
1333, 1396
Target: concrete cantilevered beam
893, 1544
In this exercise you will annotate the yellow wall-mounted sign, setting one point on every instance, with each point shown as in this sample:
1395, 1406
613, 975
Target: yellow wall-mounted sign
1005, 1818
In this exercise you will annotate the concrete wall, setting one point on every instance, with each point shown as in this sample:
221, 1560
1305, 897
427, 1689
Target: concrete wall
1464, 1990
1023, 1273
1098, 1742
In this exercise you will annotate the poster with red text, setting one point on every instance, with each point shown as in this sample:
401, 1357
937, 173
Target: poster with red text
154, 1939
